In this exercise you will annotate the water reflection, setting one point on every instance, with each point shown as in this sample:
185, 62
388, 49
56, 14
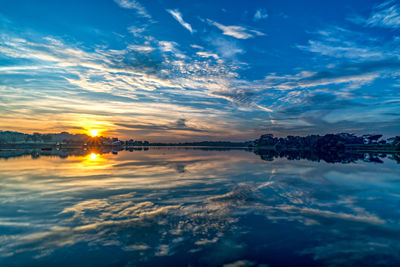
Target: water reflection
267, 155
93, 156
197, 207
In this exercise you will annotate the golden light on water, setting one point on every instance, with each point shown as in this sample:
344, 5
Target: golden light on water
93, 161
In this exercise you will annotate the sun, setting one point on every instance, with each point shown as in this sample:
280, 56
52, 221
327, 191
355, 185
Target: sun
93, 132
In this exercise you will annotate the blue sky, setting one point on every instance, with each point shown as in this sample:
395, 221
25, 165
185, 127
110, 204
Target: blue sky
205, 70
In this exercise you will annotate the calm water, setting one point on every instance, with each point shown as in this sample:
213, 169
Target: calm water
181, 207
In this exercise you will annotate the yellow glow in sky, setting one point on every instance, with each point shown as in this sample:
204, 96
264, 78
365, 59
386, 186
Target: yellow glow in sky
93, 132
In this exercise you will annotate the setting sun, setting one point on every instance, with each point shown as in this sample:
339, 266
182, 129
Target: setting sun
94, 132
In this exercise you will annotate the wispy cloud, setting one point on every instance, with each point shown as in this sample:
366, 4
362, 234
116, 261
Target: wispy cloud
385, 15
260, 14
179, 125
134, 4
340, 50
126, 81
342, 43
202, 87
141, 48
238, 32
147, 82
353, 74
178, 16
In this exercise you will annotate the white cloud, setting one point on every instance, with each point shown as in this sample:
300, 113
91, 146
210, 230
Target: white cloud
196, 46
260, 14
238, 32
178, 16
207, 54
167, 46
133, 4
136, 31
226, 48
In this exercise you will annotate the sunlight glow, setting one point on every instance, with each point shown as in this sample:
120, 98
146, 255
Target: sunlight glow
93, 132
92, 161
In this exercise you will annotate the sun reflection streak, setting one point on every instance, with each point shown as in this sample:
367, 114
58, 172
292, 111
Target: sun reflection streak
93, 160
93, 157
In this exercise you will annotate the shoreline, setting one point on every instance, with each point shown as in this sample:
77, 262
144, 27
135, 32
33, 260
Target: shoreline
348, 148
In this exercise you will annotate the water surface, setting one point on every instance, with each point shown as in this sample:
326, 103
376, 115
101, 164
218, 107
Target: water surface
181, 207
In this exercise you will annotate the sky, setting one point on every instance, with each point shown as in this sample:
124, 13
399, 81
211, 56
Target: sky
200, 70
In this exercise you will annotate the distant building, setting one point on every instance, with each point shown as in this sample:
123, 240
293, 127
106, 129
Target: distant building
390, 140
371, 138
116, 143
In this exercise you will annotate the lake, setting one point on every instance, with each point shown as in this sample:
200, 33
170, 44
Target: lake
197, 207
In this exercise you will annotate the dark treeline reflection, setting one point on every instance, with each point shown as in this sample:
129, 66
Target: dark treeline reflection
62, 153
65, 153
328, 156
267, 155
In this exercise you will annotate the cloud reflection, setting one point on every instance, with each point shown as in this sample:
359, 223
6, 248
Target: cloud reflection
141, 206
